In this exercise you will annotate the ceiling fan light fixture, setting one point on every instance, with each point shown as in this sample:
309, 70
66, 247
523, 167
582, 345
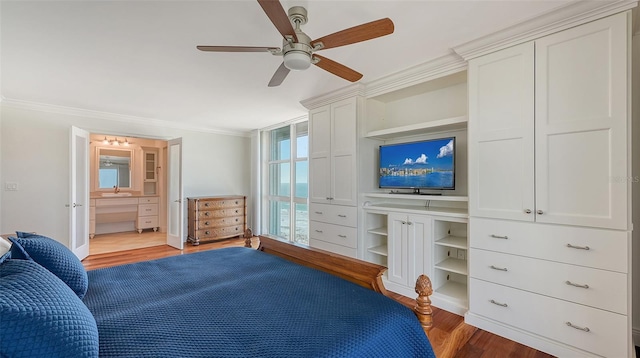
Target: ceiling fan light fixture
297, 60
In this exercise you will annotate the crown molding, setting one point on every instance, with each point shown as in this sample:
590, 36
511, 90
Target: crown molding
438, 67
571, 15
334, 96
115, 117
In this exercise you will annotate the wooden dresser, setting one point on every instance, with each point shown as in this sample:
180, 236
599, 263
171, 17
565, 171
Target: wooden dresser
216, 217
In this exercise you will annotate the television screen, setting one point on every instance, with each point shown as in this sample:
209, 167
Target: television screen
428, 164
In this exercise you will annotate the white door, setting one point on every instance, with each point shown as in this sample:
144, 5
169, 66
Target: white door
582, 115
343, 152
175, 213
319, 155
501, 122
79, 193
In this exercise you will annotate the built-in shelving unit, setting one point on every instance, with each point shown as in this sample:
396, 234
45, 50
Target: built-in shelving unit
450, 248
439, 125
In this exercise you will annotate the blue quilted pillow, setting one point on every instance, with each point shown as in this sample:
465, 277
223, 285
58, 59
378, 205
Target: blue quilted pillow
41, 316
53, 256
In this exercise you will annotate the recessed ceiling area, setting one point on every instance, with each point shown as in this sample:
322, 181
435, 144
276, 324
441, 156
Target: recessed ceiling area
139, 58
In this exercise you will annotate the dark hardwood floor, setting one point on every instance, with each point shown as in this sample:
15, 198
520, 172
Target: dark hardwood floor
479, 343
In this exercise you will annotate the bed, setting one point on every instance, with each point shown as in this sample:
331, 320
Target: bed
278, 301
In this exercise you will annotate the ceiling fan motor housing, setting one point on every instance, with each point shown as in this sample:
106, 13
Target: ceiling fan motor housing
297, 55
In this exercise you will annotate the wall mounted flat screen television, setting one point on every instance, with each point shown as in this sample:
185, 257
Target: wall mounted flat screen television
422, 165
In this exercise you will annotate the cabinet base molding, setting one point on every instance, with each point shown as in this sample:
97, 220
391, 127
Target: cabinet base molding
527, 338
437, 300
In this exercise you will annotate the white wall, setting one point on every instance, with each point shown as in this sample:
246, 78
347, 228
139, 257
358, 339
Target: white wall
635, 187
34, 153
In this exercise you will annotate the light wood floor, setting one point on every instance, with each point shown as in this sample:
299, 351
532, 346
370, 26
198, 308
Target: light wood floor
124, 241
478, 344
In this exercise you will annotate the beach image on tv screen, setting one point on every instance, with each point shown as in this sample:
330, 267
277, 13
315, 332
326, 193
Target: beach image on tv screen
428, 164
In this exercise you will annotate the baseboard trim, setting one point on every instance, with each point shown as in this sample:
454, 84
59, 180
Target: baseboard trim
636, 336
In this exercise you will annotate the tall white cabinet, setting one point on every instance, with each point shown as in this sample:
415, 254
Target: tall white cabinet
333, 177
549, 203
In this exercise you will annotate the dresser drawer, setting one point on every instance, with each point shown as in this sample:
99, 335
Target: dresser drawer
208, 214
607, 249
550, 317
148, 200
335, 234
552, 279
334, 214
147, 209
216, 222
220, 204
220, 232
147, 222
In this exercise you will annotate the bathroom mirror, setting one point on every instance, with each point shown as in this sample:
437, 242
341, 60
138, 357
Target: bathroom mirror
114, 168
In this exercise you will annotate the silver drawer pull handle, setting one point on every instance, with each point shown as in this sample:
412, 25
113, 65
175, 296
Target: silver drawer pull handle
578, 247
499, 236
586, 329
320, 231
319, 212
342, 216
498, 268
343, 236
498, 303
576, 285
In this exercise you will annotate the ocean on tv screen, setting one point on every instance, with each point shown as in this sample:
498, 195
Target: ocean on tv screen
436, 179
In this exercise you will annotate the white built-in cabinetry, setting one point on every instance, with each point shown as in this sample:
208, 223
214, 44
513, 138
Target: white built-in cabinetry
150, 182
549, 202
333, 177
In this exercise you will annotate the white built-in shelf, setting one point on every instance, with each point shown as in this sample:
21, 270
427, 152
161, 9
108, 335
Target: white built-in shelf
418, 197
379, 231
379, 250
453, 265
457, 242
454, 291
440, 125
414, 209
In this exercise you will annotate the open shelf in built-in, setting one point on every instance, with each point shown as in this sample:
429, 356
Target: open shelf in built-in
454, 290
440, 125
417, 197
414, 209
457, 242
379, 231
453, 265
380, 250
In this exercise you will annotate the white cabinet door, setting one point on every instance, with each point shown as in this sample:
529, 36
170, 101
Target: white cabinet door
320, 155
581, 125
343, 152
333, 153
501, 120
406, 242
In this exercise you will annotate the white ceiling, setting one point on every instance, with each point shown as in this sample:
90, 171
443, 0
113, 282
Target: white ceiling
139, 58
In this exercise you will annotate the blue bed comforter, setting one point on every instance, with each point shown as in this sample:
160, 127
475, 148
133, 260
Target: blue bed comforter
239, 302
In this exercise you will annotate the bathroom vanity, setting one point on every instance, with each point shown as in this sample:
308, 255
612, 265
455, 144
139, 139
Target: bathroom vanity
122, 213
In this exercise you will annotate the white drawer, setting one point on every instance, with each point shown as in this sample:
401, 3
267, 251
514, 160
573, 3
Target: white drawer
607, 248
335, 234
147, 209
327, 246
148, 200
334, 214
549, 317
147, 222
117, 202
606, 289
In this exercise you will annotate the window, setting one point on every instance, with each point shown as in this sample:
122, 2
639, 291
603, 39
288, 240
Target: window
288, 184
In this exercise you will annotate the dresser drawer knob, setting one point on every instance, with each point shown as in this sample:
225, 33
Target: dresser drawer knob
206, 205
499, 236
207, 232
586, 329
206, 213
207, 223
578, 247
575, 284
498, 268
498, 303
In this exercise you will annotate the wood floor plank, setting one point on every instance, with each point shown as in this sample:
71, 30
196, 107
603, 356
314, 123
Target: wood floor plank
474, 343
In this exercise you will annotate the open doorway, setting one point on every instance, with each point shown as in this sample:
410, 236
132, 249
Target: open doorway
127, 193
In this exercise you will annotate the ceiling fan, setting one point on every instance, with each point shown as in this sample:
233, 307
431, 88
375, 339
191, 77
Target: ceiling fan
298, 50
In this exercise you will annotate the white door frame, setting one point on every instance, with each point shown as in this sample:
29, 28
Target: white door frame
79, 193
175, 205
